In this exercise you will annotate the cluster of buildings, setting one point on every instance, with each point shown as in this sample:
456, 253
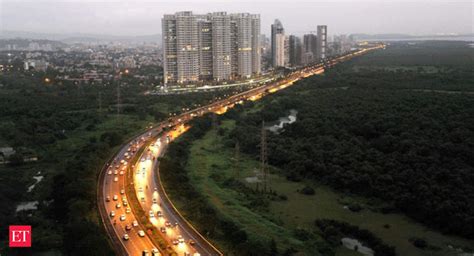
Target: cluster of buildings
210, 47
220, 47
293, 51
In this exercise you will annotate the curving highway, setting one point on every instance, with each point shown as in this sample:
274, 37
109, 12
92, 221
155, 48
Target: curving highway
127, 234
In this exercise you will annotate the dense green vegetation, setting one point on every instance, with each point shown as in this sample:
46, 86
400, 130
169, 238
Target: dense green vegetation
72, 130
393, 128
413, 149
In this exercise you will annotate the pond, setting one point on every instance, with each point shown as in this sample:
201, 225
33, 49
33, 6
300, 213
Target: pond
277, 126
354, 244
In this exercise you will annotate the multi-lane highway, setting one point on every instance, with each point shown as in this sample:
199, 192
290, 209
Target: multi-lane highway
127, 233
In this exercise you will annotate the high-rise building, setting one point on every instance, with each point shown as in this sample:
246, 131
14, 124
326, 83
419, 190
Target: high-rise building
287, 51
295, 51
278, 44
309, 48
256, 46
322, 42
205, 50
215, 46
221, 46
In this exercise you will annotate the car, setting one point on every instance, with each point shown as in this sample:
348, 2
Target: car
155, 189
118, 205
115, 172
191, 242
125, 203
115, 197
141, 233
128, 210
121, 173
126, 237
159, 213
109, 172
163, 230
107, 199
175, 241
122, 161
152, 215
128, 227
155, 252
122, 217
167, 224
112, 214
145, 253
180, 239
122, 191
135, 223
115, 179
154, 200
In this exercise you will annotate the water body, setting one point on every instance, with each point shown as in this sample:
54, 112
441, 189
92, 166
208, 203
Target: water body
26, 206
428, 38
351, 244
38, 180
282, 121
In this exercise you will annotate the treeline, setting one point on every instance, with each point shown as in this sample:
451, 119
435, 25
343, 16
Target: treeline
196, 206
412, 149
333, 231
74, 201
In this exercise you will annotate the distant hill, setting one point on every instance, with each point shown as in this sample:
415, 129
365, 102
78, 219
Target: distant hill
80, 38
22, 43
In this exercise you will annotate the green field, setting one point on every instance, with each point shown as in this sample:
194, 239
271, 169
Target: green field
211, 163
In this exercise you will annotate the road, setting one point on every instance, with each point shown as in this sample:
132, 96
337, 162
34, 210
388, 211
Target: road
179, 234
113, 184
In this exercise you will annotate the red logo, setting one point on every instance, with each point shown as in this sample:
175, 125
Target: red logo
20, 236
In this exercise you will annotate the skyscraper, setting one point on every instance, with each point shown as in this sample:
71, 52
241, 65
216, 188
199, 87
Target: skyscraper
215, 46
322, 42
295, 50
310, 42
278, 44
221, 47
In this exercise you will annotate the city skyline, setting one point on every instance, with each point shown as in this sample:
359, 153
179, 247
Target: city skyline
144, 17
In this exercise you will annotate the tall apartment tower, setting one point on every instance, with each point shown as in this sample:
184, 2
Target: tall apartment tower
322, 42
205, 49
278, 44
215, 46
170, 52
295, 51
256, 44
221, 46
310, 45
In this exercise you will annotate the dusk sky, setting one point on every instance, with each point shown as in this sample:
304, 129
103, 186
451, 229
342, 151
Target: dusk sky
127, 17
